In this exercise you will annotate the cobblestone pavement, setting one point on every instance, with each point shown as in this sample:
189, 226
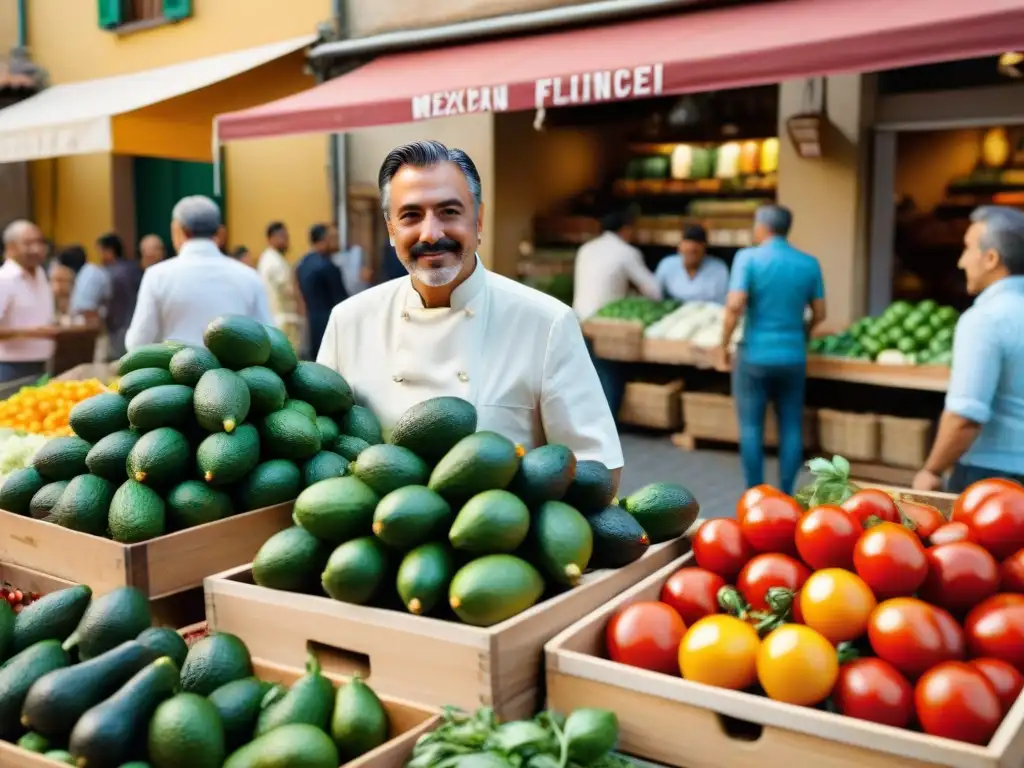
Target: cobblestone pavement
713, 476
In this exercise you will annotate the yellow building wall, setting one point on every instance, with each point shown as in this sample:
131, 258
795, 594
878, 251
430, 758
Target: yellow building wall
8, 25
74, 197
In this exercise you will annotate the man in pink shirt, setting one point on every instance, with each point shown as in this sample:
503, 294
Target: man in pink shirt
26, 304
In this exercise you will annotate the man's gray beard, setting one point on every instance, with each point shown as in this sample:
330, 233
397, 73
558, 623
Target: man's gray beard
437, 277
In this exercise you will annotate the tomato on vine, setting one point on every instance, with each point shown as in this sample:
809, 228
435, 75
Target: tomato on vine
826, 537
914, 636
874, 690
956, 701
719, 546
767, 571
693, 593
770, 524
891, 559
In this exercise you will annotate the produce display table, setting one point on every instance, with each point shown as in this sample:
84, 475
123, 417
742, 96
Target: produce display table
930, 378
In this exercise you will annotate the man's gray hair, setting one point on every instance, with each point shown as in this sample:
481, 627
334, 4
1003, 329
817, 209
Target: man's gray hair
198, 215
1004, 234
425, 154
15, 229
777, 219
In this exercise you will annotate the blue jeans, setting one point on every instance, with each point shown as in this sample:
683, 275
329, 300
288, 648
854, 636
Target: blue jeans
612, 380
964, 475
753, 387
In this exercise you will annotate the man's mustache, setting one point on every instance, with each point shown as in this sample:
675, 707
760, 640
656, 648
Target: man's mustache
444, 245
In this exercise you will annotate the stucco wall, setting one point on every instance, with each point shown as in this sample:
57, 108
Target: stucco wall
371, 17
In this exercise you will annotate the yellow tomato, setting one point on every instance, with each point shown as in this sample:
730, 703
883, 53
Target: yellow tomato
837, 603
720, 650
797, 665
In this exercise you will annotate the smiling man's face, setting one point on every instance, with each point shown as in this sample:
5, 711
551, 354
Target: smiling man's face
434, 223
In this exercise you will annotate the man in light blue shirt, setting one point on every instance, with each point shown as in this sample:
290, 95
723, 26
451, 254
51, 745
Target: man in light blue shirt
693, 275
90, 296
981, 432
773, 284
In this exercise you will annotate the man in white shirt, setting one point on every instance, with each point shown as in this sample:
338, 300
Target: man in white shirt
454, 328
607, 266
281, 285
179, 297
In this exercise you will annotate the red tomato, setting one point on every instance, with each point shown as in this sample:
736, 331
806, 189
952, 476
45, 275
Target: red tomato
770, 524
693, 592
960, 575
956, 701
1011, 573
872, 502
998, 523
646, 635
926, 518
719, 546
995, 629
914, 636
751, 496
968, 502
1004, 679
950, 532
891, 559
874, 690
767, 571
826, 536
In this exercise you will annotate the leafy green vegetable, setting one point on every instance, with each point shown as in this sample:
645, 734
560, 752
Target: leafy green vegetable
830, 484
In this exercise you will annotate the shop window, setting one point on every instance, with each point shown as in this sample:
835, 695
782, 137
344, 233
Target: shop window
122, 14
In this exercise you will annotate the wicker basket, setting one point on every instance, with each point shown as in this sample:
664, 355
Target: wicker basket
655, 406
709, 416
854, 436
616, 339
904, 442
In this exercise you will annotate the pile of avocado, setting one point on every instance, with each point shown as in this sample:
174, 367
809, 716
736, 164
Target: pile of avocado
190, 435
91, 683
446, 521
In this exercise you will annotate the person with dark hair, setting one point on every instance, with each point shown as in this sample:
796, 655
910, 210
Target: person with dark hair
321, 282
244, 255
281, 284
179, 297
608, 267
91, 295
981, 431
453, 328
772, 286
125, 277
693, 275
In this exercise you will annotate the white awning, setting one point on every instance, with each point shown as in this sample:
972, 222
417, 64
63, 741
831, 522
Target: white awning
76, 118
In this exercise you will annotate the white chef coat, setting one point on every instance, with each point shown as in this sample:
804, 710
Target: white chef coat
517, 354
179, 297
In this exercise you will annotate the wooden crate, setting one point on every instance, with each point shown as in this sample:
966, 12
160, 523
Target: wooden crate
941, 501
408, 722
711, 416
615, 339
851, 435
655, 406
420, 659
689, 725
904, 442
163, 566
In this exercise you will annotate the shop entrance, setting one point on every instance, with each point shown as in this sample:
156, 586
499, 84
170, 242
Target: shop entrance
160, 183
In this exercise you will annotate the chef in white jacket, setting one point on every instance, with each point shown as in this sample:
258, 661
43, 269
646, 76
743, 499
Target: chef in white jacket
454, 328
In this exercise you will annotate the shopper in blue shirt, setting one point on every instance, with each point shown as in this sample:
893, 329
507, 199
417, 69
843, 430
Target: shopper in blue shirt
693, 275
772, 284
981, 432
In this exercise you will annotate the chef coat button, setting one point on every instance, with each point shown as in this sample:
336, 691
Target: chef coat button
463, 376
397, 379
469, 312
405, 315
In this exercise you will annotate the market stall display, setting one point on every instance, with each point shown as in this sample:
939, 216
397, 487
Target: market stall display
845, 613
44, 409
905, 334
637, 309
499, 547
89, 682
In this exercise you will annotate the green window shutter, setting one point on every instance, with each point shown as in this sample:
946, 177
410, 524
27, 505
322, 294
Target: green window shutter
109, 14
177, 9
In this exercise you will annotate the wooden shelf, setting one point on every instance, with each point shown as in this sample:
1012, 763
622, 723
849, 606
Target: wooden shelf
927, 378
